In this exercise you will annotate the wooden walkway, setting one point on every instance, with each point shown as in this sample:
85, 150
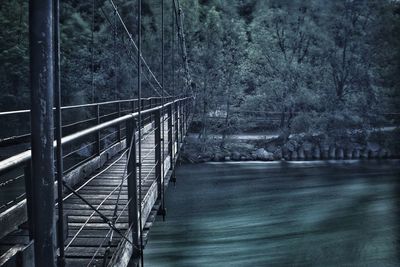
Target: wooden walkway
89, 239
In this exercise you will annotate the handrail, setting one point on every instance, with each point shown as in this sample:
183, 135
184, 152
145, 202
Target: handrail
13, 112
26, 155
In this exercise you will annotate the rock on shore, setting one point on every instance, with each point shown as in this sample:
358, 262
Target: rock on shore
293, 149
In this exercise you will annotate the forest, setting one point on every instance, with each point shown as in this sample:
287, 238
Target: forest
316, 66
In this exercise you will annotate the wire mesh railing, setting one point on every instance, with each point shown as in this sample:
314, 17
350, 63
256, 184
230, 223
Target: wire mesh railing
165, 124
76, 152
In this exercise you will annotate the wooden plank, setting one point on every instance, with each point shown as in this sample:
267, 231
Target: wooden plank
87, 252
97, 226
88, 233
124, 253
12, 217
81, 262
84, 242
97, 191
15, 239
18, 255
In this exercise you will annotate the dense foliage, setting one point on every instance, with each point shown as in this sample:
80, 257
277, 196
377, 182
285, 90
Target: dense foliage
319, 65
322, 66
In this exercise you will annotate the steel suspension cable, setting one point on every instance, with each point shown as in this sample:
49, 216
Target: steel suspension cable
102, 216
115, 29
162, 113
140, 58
173, 45
92, 50
130, 55
58, 133
182, 38
178, 37
139, 80
131, 146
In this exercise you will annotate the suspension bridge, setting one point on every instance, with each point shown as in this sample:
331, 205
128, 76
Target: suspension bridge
94, 175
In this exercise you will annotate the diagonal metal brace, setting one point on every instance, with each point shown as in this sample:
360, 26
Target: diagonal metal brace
105, 219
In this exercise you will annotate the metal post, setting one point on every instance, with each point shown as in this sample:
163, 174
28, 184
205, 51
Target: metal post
133, 106
176, 141
162, 117
157, 144
170, 151
59, 159
98, 141
115, 31
139, 67
176, 126
92, 50
29, 198
42, 136
158, 159
184, 117
173, 48
132, 183
119, 125
181, 120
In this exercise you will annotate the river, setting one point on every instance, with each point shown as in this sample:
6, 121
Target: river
339, 213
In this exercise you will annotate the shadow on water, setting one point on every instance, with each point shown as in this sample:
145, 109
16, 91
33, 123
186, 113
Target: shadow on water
281, 214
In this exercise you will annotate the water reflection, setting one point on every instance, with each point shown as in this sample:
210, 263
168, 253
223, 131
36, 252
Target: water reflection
280, 214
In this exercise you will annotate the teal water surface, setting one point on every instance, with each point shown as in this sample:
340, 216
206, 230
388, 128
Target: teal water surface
280, 214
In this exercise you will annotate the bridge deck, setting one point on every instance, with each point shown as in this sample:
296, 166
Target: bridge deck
89, 240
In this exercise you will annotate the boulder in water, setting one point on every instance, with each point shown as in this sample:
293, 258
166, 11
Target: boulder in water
271, 148
218, 157
235, 156
262, 154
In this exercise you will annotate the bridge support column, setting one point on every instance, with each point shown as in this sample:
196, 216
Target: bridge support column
134, 206
175, 138
184, 107
98, 140
42, 83
119, 126
158, 161
181, 120
170, 141
176, 127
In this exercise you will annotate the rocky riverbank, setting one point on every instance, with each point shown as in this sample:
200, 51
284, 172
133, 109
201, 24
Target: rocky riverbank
300, 147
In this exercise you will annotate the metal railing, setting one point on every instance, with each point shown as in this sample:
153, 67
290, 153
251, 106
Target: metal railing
166, 123
75, 118
102, 131
15, 124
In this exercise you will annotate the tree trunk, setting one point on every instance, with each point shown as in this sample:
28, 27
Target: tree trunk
227, 119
